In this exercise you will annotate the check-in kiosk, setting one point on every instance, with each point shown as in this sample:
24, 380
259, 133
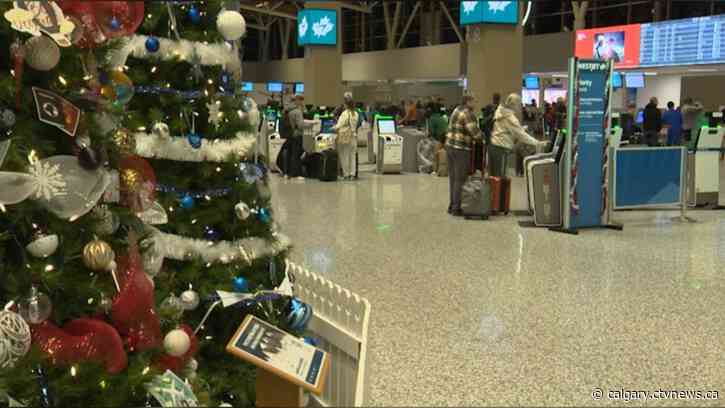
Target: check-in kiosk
543, 187
704, 164
326, 139
274, 140
389, 153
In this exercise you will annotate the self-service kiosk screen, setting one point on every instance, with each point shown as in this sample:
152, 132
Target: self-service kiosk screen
386, 127
327, 125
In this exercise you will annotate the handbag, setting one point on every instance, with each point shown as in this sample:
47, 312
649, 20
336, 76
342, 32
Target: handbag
345, 136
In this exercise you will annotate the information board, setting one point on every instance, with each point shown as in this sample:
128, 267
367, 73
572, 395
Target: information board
690, 41
281, 353
589, 113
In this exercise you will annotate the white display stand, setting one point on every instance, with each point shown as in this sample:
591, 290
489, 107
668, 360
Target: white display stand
340, 322
389, 151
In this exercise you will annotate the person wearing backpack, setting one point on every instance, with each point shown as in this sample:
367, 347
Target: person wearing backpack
291, 128
488, 113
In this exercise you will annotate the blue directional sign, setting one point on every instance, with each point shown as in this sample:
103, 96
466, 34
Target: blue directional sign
489, 11
317, 27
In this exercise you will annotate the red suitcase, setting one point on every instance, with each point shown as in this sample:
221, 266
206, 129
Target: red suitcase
500, 194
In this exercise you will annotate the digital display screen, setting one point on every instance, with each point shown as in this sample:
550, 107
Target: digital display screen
299, 88
386, 127
616, 80
634, 80
247, 86
640, 117
620, 44
327, 125
275, 87
689, 41
531, 82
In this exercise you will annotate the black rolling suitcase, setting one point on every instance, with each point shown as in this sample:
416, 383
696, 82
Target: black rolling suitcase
289, 160
311, 165
328, 165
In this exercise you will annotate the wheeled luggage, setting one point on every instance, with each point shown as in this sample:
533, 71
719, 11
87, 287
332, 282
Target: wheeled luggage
500, 194
476, 197
289, 161
329, 165
311, 165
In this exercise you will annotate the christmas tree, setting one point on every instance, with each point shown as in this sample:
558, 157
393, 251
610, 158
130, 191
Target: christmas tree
137, 231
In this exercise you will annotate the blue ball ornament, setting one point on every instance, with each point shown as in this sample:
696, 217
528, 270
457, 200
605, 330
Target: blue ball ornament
212, 234
264, 215
152, 44
194, 15
241, 285
194, 140
187, 202
115, 24
299, 315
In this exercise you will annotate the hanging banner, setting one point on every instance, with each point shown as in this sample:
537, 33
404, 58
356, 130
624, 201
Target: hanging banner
589, 113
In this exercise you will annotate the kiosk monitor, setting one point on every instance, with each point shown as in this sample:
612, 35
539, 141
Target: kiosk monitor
247, 87
634, 80
299, 88
616, 80
386, 126
326, 125
531, 82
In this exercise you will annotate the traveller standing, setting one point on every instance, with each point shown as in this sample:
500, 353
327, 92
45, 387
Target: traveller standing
652, 124
346, 140
507, 133
463, 130
690, 111
673, 120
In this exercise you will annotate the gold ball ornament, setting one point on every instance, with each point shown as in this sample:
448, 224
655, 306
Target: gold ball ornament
125, 141
130, 180
98, 255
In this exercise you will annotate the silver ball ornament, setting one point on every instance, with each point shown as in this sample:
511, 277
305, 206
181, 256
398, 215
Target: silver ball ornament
14, 338
176, 343
172, 306
231, 25
189, 299
36, 307
7, 118
43, 245
242, 211
42, 53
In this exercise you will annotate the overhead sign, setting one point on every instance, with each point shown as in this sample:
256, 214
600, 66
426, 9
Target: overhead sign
317, 27
497, 12
690, 41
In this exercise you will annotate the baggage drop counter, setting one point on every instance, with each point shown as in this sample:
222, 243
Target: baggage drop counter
411, 137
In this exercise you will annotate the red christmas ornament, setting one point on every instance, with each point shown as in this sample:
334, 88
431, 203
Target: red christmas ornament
176, 364
133, 310
118, 18
80, 340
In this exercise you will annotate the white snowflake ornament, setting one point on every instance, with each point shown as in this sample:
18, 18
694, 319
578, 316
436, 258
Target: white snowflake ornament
49, 182
215, 113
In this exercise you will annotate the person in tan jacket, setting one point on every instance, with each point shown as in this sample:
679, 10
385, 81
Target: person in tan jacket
507, 133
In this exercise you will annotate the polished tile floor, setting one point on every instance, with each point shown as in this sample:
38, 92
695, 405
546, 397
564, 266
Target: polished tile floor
491, 313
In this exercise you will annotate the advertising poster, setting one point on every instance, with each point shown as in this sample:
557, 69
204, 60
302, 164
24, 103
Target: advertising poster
589, 124
620, 44
281, 353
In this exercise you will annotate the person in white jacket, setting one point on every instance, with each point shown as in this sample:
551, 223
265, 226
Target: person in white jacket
507, 133
346, 128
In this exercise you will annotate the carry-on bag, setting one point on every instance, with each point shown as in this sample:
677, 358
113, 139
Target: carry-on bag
500, 194
476, 196
289, 160
311, 165
329, 165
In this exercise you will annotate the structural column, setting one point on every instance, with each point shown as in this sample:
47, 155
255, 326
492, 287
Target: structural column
494, 61
323, 64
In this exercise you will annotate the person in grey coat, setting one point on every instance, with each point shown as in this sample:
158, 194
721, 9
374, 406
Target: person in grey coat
690, 111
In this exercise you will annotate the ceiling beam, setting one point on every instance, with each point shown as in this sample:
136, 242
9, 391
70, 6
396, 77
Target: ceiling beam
356, 7
258, 27
267, 11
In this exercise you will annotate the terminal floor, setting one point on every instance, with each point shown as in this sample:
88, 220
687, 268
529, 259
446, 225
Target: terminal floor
491, 313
